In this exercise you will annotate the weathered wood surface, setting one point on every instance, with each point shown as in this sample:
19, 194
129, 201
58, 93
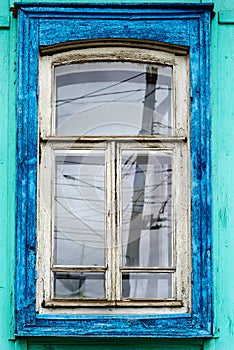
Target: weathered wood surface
194, 23
222, 53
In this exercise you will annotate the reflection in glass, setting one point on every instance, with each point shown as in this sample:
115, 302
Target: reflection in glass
113, 98
79, 285
147, 208
79, 208
147, 285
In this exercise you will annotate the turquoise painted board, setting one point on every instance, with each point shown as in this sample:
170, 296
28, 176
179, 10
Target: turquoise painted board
114, 347
7, 180
223, 157
4, 15
63, 345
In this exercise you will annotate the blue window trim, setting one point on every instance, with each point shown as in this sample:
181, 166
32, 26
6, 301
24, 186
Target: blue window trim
48, 24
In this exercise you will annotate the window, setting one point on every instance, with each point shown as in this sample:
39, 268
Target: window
113, 171
114, 180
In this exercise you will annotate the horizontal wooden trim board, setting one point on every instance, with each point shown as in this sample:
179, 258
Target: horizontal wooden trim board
5, 22
79, 268
61, 303
226, 17
151, 138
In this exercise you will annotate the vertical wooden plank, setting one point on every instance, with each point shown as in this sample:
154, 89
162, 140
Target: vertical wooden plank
11, 166
211, 344
4, 293
223, 186
7, 182
7, 164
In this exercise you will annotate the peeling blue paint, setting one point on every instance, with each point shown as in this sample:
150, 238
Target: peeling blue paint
41, 25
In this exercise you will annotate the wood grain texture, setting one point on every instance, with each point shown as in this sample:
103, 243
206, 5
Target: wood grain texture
4, 248
46, 25
223, 188
7, 184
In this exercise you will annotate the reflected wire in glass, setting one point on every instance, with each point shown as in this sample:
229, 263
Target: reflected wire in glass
113, 98
79, 222
147, 208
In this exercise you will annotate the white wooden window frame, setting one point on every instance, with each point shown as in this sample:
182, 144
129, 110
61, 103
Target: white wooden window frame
178, 144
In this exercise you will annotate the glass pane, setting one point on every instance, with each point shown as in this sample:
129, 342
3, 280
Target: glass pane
79, 285
79, 222
147, 285
113, 98
147, 208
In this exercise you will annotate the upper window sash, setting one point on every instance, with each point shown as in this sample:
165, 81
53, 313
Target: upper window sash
180, 87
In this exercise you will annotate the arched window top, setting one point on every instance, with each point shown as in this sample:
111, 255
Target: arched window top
70, 46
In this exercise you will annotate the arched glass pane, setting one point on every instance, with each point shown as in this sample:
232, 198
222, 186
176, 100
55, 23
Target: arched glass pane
113, 98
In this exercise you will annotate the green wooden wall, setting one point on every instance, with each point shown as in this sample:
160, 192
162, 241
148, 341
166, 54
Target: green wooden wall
222, 84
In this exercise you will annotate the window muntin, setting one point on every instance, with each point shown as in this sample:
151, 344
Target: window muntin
125, 285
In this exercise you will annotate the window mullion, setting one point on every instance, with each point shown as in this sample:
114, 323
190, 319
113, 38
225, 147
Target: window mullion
118, 217
114, 252
108, 229
113, 213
